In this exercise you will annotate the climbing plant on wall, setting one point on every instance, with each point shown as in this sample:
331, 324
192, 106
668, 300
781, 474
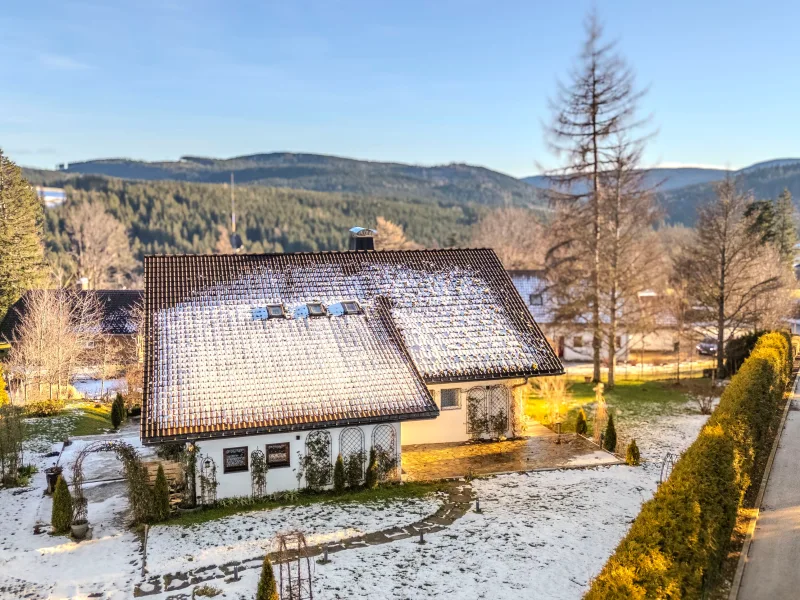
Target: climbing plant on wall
316, 465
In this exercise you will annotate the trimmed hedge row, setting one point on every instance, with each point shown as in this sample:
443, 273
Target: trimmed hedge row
676, 546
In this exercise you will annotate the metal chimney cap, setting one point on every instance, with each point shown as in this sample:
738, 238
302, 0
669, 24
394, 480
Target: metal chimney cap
362, 232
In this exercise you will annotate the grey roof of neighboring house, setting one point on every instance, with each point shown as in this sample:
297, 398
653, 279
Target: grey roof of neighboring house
214, 366
118, 308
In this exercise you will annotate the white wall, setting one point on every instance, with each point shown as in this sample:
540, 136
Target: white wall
451, 424
582, 353
278, 478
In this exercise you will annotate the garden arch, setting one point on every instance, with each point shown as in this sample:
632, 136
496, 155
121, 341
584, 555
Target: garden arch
135, 478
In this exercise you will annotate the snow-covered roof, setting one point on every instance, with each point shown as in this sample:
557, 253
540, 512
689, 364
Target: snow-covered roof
215, 362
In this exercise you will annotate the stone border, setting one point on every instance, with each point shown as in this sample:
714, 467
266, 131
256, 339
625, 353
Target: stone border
751, 528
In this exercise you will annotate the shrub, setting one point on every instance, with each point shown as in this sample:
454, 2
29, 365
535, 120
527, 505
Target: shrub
354, 469
117, 411
676, 546
373, 476
267, 588
610, 439
206, 591
46, 407
160, 496
3, 393
581, 427
62, 507
12, 435
338, 475
737, 350
632, 456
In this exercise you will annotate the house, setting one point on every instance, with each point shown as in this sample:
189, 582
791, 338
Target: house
351, 350
118, 320
573, 342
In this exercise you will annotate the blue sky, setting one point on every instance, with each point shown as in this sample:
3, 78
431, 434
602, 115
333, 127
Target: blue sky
419, 82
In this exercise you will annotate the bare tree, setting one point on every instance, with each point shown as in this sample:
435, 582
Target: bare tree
392, 237
52, 340
734, 275
517, 236
591, 112
628, 249
100, 245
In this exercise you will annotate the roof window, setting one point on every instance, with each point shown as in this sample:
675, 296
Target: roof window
315, 309
351, 307
275, 311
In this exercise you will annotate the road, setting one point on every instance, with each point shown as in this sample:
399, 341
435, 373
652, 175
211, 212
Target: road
771, 571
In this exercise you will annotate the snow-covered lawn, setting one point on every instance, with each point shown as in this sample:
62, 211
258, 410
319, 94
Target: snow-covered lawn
173, 548
542, 534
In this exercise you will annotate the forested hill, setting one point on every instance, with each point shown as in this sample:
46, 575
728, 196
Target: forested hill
454, 183
182, 217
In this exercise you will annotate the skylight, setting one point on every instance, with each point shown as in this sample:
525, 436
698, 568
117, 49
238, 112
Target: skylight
275, 311
315, 309
351, 307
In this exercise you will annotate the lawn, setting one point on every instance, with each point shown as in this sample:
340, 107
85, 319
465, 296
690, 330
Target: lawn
80, 419
630, 399
384, 493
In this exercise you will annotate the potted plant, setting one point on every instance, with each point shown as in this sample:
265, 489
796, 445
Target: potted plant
80, 524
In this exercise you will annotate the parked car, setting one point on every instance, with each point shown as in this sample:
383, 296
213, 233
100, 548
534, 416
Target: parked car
708, 347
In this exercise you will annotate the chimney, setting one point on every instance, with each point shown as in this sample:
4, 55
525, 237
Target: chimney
362, 238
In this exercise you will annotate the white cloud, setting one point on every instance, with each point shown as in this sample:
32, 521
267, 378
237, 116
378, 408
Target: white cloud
61, 62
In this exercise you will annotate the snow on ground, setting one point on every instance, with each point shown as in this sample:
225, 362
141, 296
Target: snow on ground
542, 534
171, 548
95, 388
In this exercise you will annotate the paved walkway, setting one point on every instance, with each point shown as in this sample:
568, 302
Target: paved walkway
771, 571
539, 451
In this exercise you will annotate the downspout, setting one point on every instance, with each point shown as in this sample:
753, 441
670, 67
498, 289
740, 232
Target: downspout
519, 409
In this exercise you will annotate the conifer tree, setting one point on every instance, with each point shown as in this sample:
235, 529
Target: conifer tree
117, 412
161, 496
610, 439
372, 470
21, 252
62, 507
632, 456
267, 587
338, 475
580, 424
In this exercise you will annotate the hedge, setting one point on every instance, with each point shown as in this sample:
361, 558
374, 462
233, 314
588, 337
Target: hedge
677, 545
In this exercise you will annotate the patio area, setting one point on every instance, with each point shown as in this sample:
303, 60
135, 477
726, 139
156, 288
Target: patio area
539, 450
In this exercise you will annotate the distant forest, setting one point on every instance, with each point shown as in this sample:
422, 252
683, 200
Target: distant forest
167, 217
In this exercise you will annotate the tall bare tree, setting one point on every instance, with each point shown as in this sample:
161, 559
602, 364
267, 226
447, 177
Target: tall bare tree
590, 113
100, 245
516, 234
628, 249
734, 274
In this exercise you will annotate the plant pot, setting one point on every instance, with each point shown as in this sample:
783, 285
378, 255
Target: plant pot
51, 474
188, 509
80, 529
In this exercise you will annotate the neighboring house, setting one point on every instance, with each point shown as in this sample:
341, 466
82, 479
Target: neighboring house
118, 322
353, 350
51, 197
574, 341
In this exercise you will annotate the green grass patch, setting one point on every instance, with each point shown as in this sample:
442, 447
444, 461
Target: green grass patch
628, 400
84, 419
382, 494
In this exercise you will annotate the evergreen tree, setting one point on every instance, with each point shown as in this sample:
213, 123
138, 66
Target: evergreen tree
21, 252
3, 393
161, 496
117, 411
62, 507
355, 469
610, 439
785, 227
267, 587
632, 456
338, 475
372, 470
580, 424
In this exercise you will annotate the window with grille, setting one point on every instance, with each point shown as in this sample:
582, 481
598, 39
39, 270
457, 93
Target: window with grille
278, 455
535, 300
234, 459
450, 398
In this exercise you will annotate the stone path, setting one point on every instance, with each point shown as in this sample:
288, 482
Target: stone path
458, 501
